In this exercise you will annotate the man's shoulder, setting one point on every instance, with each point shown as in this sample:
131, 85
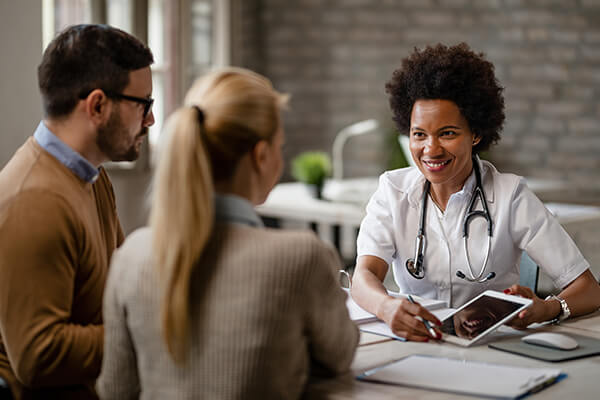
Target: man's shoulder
31, 168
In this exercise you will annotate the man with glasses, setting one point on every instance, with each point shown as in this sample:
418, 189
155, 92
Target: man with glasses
58, 219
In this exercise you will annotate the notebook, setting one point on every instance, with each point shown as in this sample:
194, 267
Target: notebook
463, 377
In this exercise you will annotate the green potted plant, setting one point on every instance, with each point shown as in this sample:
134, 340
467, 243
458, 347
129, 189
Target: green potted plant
312, 167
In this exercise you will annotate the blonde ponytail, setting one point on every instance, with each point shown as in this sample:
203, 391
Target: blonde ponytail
239, 108
181, 220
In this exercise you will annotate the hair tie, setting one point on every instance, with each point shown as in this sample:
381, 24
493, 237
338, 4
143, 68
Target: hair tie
200, 114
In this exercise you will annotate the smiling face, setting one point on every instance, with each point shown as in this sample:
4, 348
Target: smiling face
441, 143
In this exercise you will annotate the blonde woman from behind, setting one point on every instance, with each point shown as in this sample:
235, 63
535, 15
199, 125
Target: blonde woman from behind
206, 302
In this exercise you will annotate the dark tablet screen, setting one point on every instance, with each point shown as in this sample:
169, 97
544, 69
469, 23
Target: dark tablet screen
478, 316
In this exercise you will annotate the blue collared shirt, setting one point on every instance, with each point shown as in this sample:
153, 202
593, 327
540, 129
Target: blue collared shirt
66, 155
235, 209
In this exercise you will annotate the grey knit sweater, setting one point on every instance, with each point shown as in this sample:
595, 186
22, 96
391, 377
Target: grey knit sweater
267, 314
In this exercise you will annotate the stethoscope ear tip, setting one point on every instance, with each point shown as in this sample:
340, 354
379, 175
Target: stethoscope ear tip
489, 276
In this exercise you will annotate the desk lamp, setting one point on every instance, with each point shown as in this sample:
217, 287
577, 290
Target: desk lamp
352, 190
358, 128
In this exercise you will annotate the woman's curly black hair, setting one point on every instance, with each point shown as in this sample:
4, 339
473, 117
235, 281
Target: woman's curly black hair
454, 73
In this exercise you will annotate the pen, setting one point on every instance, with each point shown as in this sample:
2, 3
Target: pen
431, 331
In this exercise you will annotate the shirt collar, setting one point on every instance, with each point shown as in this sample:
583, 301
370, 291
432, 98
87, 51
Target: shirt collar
230, 208
66, 155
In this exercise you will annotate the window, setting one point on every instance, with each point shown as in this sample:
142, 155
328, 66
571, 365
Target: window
187, 38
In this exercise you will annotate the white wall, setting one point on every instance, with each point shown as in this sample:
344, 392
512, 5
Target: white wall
21, 49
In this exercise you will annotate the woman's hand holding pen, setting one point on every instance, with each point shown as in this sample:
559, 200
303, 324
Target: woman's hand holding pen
406, 319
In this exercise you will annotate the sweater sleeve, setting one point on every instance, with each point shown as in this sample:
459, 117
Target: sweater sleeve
38, 243
333, 336
119, 378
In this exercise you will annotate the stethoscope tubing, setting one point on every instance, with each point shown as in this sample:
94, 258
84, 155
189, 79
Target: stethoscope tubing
416, 266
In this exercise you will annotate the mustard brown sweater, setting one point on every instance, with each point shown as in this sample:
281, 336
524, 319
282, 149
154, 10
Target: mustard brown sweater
267, 316
57, 234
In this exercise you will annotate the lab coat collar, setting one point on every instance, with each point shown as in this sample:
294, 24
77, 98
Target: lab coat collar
487, 176
413, 186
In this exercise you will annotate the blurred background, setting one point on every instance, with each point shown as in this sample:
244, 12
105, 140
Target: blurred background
334, 57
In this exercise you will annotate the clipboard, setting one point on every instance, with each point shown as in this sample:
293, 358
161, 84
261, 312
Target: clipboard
463, 377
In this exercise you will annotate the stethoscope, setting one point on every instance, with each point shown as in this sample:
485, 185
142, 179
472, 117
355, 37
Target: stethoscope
415, 265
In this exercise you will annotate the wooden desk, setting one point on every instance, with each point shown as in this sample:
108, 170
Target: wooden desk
582, 382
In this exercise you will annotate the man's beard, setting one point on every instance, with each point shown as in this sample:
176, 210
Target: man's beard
112, 140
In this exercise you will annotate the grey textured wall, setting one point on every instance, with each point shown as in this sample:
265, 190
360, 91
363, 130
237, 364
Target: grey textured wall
335, 56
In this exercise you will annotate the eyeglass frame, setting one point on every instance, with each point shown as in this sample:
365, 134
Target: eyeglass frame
147, 103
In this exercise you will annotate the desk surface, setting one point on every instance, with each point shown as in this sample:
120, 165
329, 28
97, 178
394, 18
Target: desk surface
294, 201
582, 381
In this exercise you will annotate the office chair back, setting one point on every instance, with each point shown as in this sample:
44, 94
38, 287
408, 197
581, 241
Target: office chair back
530, 273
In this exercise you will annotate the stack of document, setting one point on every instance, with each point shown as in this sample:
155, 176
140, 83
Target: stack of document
368, 322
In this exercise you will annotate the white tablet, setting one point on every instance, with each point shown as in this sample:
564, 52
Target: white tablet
481, 316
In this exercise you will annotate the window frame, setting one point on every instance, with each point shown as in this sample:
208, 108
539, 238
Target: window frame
177, 71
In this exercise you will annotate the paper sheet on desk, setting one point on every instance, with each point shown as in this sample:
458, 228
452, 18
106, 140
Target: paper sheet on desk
381, 328
362, 316
464, 377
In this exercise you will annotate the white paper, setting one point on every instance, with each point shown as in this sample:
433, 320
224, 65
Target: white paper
381, 328
361, 316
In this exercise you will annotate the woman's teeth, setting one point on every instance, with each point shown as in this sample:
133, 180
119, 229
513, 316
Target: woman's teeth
436, 164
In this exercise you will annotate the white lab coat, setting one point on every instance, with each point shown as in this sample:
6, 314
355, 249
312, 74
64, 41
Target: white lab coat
520, 222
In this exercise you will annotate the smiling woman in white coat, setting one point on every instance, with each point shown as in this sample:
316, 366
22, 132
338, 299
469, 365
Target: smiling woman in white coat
453, 226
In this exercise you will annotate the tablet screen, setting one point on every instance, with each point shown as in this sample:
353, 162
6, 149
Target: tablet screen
478, 316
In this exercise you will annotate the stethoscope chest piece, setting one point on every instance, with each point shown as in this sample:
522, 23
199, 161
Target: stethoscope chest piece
418, 273
415, 266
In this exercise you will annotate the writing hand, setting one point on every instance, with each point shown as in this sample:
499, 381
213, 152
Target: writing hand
401, 316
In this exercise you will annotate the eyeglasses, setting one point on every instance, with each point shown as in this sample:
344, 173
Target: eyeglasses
141, 100
146, 102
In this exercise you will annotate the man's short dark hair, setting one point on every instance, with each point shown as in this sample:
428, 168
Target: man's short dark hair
454, 73
87, 57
